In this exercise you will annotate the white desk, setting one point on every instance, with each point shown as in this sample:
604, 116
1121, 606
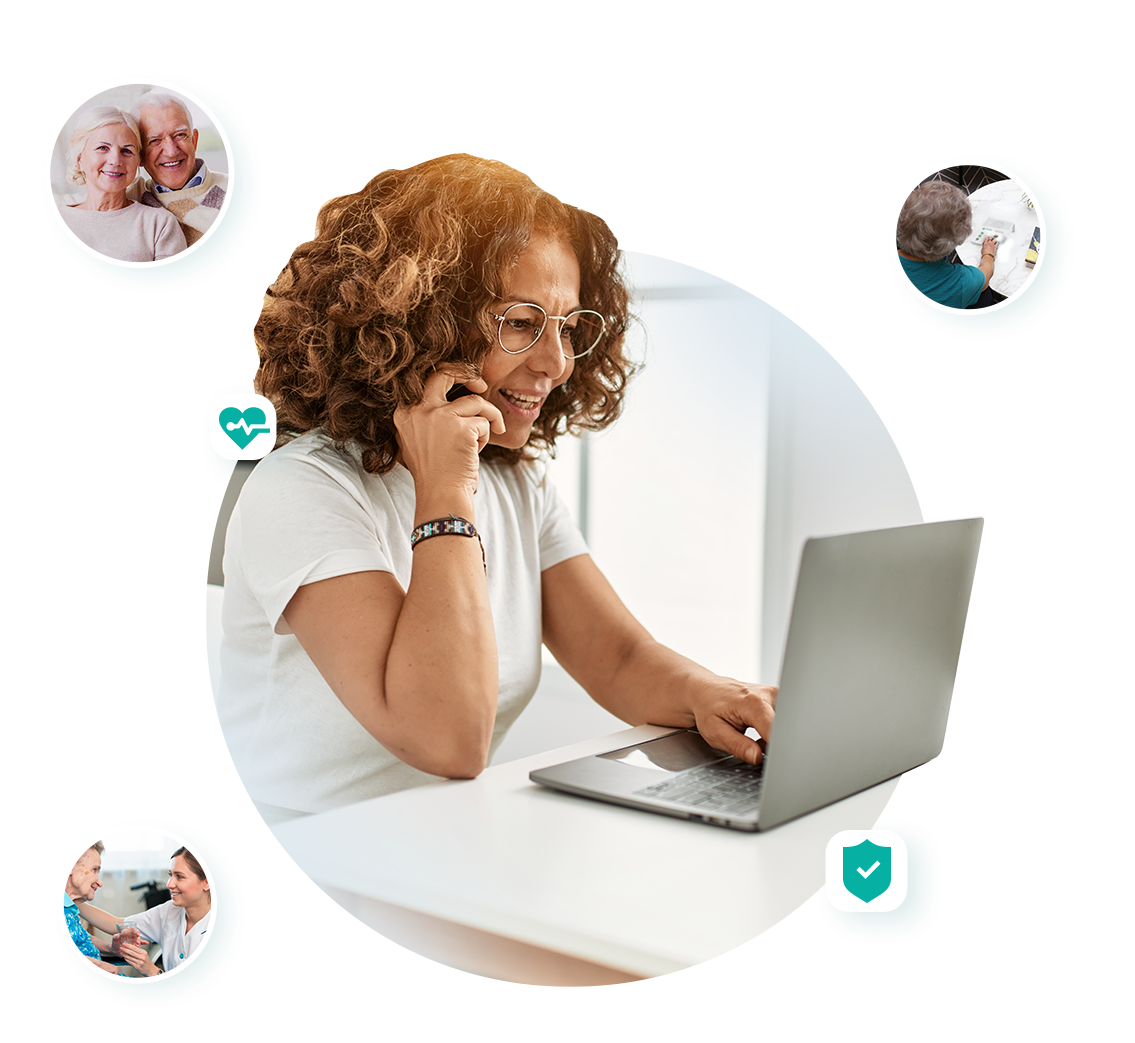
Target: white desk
504, 878
1005, 201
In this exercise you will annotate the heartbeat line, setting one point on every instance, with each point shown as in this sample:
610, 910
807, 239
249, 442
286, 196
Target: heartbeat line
248, 430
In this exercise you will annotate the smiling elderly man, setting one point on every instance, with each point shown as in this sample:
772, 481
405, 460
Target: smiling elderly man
178, 180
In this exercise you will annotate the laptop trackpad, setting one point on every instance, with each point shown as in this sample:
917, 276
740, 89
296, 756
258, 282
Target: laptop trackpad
671, 753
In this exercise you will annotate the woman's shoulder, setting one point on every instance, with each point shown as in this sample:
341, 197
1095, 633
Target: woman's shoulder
159, 215
311, 467
312, 453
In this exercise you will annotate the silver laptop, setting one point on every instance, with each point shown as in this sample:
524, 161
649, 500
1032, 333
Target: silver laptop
865, 688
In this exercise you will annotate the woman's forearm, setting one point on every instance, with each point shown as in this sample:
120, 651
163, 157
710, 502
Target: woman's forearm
416, 668
597, 640
441, 677
98, 918
656, 685
986, 266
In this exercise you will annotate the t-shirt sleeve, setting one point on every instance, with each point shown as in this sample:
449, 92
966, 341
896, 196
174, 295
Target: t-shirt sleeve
170, 239
975, 283
297, 523
560, 538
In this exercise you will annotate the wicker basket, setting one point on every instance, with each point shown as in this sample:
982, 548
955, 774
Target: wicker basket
307, 181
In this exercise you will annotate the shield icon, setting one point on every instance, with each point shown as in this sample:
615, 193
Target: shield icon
867, 870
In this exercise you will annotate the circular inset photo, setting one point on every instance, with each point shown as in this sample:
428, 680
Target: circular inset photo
970, 237
140, 174
138, 904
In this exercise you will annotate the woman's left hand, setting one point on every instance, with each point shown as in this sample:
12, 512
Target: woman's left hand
607, 651
724, 708
139, 959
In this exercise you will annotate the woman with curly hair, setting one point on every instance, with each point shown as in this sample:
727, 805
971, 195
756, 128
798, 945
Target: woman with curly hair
392, 568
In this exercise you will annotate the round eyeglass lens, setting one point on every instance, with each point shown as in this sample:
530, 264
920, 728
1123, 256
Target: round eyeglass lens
522, 324
520, 327
582, 331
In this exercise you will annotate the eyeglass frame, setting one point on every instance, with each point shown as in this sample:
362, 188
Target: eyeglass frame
561, 319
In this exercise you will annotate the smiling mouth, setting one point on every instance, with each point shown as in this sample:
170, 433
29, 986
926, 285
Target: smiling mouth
172, 163
528, 405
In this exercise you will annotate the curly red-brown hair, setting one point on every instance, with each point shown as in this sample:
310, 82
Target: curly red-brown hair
398, 281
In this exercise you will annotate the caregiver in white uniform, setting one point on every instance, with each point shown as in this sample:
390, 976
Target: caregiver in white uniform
180, 924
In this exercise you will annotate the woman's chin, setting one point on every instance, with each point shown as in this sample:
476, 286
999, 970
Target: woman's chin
514, 437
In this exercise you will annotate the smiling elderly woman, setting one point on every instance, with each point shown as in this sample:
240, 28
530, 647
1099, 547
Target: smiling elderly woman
391, 570
935, 218
104, 155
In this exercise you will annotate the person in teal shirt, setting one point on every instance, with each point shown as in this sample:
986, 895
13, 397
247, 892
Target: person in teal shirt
75, 927
84, 881
935, 218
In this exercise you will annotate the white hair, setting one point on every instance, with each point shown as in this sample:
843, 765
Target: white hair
88, 123
161, 100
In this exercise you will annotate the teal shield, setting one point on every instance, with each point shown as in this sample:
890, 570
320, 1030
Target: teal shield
866, 870
242, 428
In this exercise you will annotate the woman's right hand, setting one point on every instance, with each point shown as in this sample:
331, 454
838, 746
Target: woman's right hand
139, 959
440, 440
989, 246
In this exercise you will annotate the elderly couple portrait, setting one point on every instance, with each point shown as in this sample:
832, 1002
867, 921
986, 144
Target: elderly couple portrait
128, 177
178, 926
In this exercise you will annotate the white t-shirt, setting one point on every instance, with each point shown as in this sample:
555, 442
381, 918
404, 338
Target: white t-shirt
310, 512
165, 924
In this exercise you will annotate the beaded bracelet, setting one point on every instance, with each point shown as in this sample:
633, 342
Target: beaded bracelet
451, 526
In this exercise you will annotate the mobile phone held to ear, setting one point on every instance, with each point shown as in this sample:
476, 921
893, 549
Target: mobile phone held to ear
456, 392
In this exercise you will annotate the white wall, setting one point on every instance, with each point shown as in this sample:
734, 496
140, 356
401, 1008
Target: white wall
827, 272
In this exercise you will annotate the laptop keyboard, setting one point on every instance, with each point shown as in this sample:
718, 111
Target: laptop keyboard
734, 788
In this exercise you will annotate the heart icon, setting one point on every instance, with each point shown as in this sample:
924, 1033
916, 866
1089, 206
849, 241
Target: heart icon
243, 427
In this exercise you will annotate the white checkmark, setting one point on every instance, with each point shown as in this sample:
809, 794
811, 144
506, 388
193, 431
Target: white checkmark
866, 873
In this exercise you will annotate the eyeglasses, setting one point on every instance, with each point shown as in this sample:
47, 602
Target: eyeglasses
522, 325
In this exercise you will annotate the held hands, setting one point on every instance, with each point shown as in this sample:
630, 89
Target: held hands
138, 958
439, 440
131, 936
723, 708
